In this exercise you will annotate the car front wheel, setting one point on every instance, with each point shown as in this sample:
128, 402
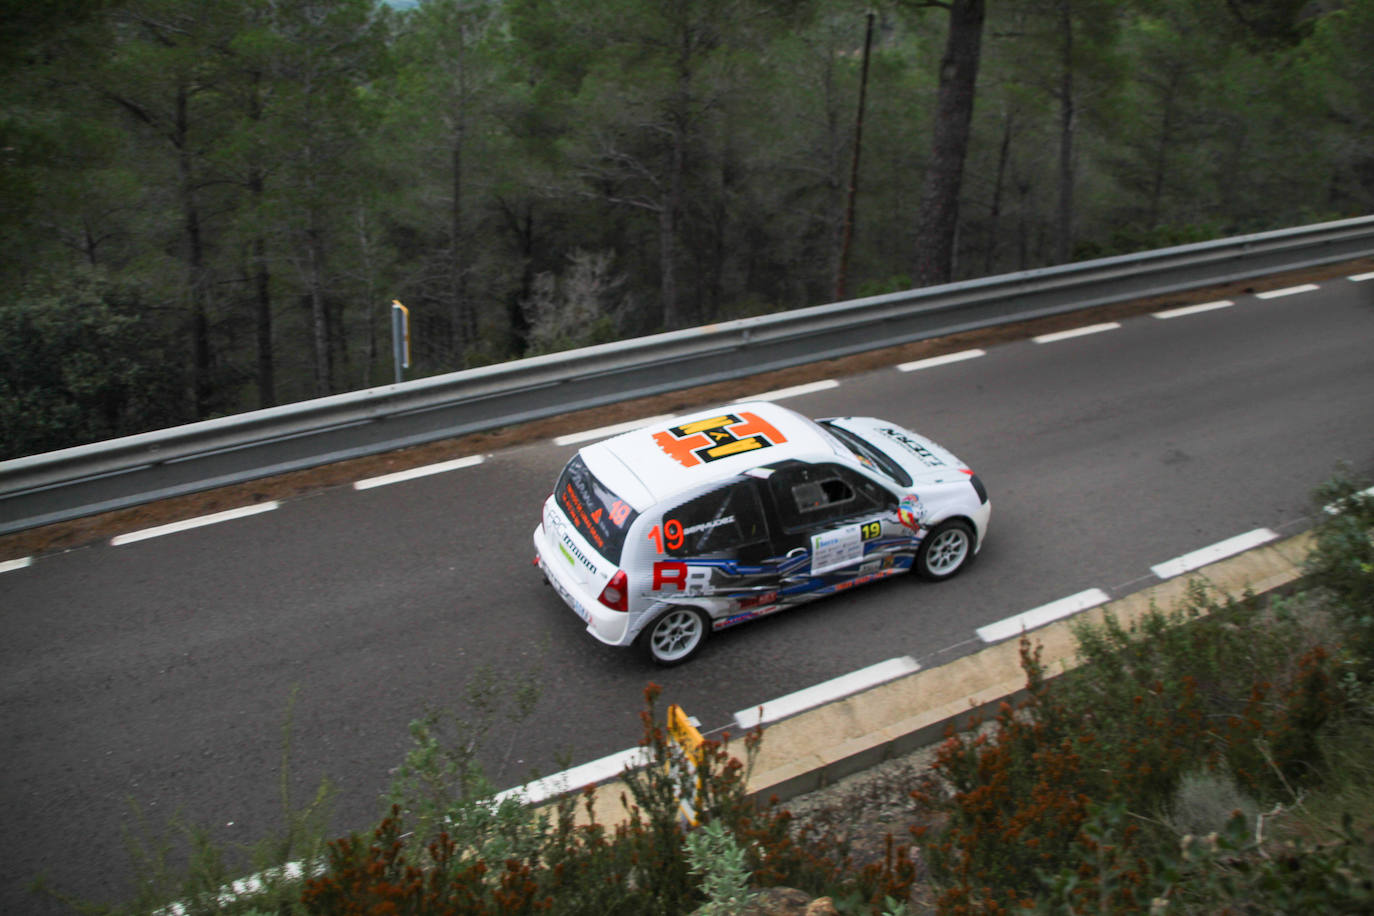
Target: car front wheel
676, 635
945, 550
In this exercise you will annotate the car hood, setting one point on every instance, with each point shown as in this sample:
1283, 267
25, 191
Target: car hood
924, 459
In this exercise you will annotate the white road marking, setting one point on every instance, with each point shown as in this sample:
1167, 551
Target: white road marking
1219, 551
1329, 508
1077, 332
412, 473
577, 778
826, 692
933, 361
1289, 291
605, 432
1360, 278
1046, 613
198, 522
11, 565
1195, 309
794, 391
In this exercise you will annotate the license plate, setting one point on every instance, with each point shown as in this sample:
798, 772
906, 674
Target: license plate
569, 600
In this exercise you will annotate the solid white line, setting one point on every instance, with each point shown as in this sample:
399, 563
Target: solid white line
11, 565
605, 432
1219, 551
1046, 613
825, 692
576, 778
412, 473
933, 361
1076, 332
794, 391
1360, 278
1276, 293
1194, 309
187, 524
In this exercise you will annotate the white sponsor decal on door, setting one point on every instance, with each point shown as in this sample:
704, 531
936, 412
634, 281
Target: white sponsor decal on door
833, 549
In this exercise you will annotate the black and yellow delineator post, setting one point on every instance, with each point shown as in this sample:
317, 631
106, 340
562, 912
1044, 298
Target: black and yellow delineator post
685, 735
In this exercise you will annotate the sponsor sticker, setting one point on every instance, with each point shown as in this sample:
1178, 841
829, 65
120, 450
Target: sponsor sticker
834, 549
911, 513
927, 457
691, 444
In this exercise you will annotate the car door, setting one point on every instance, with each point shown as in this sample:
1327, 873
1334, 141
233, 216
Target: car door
831, 523
716, 546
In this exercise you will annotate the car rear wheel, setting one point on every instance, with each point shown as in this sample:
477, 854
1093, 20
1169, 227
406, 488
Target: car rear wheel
676, 635
945, 550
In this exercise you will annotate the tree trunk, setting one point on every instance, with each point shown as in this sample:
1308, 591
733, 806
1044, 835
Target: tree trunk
319, 312
999, 182
196, 280
262, 297
1160, 166
1068, 124
939, 210
262, 287
463, 318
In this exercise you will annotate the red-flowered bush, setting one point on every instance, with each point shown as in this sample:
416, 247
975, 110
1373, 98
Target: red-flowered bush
1150, 704
638, 868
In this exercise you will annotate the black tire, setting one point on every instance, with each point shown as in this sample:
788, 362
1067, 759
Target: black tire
945, 551
676, 635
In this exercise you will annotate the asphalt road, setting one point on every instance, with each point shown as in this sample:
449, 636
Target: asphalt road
163, 671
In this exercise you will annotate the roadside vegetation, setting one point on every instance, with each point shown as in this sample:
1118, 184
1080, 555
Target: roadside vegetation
1216, 757
208, 206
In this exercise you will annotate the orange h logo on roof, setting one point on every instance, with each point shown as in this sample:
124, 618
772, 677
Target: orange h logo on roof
718, 437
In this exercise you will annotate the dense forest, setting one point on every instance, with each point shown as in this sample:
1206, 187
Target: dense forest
207, 206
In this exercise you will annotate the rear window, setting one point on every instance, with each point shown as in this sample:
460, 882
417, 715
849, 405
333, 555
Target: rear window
594, 510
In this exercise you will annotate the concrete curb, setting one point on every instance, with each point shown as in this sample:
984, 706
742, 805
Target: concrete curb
816, 747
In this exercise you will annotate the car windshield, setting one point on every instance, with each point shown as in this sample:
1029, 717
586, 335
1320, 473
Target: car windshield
868, 455
597, 513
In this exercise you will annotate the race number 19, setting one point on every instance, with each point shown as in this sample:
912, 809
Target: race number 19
670, 534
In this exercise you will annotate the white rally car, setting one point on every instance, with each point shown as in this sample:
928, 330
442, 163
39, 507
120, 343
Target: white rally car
667, 533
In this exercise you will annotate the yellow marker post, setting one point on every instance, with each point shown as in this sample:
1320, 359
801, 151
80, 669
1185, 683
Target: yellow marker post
688, 738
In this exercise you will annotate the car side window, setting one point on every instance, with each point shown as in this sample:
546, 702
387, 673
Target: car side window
814, 494
719, 522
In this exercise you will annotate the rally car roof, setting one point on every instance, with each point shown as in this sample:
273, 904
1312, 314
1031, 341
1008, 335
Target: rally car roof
658, 461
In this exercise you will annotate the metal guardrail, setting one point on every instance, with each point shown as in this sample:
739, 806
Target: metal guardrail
118, 473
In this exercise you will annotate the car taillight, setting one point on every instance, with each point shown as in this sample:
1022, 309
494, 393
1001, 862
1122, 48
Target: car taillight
614, 595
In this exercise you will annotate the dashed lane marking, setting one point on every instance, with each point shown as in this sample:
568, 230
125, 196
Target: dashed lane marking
1076, 332
11, 565
825, 692
198, 522
1218, 551
605, 432
1288, 291
578, 777
934, 361
1360, 278
1046, 613
412, 473
1195, 309
795, 391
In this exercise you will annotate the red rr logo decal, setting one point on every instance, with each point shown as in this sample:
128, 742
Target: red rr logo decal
718, 437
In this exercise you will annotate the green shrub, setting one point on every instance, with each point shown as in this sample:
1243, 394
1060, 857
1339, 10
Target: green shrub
1241, 691
1342, 563
558, 865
